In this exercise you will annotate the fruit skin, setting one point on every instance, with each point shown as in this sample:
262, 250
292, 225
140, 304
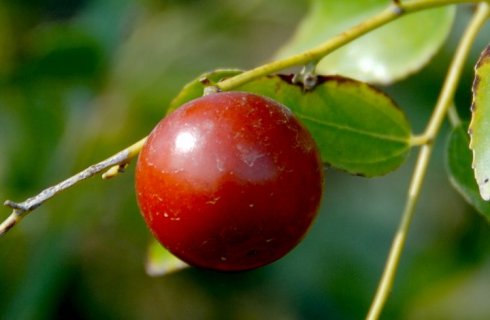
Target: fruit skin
230, 181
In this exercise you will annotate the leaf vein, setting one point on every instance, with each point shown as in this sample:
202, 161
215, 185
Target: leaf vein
374, 135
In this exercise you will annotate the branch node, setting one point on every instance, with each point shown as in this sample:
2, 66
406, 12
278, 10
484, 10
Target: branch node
307, 76
14, 205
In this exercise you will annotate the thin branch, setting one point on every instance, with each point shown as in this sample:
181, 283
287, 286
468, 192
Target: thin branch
21, 209
394, 11
440, 111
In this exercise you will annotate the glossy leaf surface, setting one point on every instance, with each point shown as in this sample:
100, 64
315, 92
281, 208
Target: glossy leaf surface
382, 56
458, 159
357, 128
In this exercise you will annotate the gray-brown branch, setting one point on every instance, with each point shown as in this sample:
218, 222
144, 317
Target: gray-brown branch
21, 209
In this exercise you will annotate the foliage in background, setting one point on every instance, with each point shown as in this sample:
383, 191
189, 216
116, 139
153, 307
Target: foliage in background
82, 79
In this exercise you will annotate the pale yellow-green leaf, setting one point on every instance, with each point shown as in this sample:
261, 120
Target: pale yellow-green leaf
385, 55
480, 124
160, 261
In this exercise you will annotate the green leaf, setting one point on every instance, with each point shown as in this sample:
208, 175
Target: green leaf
357, 128
458, 160
160, 262
480, 124
382, 56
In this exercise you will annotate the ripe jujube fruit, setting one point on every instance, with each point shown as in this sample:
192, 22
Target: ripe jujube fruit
229, 181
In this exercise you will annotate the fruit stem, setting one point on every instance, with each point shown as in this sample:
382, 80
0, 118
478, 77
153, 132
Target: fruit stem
393, 11
444, 102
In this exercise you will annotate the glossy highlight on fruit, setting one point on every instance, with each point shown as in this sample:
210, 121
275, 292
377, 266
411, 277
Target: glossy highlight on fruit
229, 181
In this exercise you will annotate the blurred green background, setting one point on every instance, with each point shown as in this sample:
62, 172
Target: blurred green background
82, 79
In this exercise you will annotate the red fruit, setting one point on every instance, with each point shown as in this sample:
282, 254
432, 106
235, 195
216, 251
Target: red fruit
229, 181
